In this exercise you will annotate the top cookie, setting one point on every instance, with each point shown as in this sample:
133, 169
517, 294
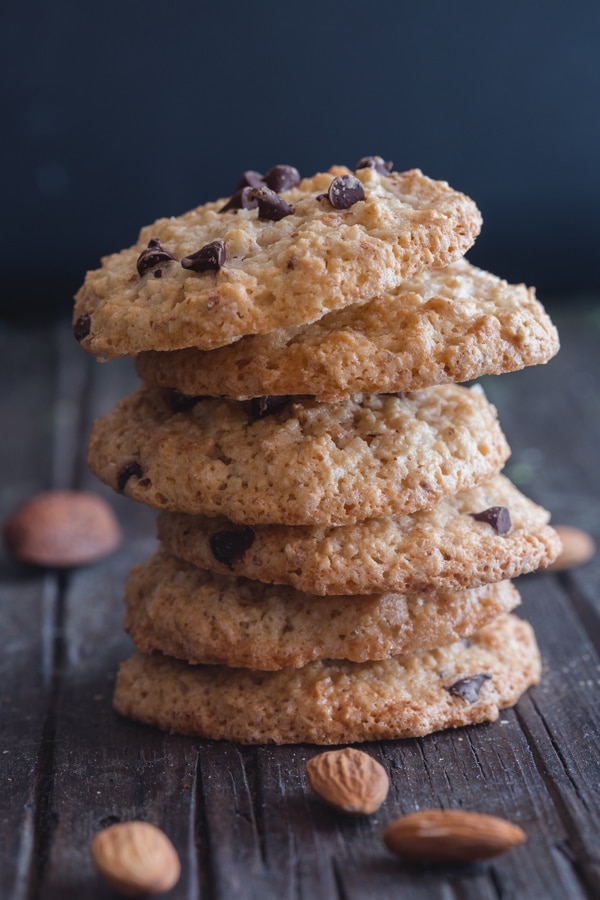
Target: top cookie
264, 274
451, 324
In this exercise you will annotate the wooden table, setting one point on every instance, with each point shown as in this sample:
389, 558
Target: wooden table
242, 818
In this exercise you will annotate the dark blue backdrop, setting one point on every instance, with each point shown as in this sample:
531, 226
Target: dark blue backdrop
120, 112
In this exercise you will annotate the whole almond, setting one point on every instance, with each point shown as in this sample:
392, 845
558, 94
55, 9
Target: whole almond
349, 779
62, 528
577, 548
451, 836
136, 858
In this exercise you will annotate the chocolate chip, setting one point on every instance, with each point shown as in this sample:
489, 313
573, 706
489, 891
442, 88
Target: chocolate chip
154, 255
250, 178
496, 516
82, 327
270, 205
268, 406
240, 200
282, 178
209, 258
375, 162
344, 191
130, 470
468, 688
227, 546
180, 402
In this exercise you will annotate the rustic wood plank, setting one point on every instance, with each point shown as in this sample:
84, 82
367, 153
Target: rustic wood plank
561, 719
28, 606
107, 769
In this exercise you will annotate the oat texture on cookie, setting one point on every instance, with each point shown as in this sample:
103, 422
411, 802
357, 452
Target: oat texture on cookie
336, 539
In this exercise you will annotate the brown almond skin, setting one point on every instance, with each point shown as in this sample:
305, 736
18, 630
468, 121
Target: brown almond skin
62, 529
136, 858
451, 836
578, 547
350, 780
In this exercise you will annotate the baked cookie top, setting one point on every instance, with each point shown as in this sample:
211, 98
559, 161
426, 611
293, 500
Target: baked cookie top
442, 325
202, 617
442, 548
210, 276
300, 462
334, 702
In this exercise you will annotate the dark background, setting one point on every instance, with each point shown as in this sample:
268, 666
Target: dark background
117, 113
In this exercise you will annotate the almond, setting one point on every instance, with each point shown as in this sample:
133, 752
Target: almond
577, 548
349, 779
451, 836
62, 528
136, 858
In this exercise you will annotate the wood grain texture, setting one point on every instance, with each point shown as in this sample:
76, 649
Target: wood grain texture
244, 819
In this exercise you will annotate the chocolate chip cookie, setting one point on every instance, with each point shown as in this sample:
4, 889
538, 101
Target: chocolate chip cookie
442, 548
298, 462
275, 259
332, 701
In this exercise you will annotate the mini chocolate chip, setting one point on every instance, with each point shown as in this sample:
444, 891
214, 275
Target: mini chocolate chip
375, 162
496, 516
180, 402
240, 200
468, 688
321, 197
152, 256
268, 406
130, 470
270, 205
227, 546
82, 327
250, 178
344, 191
209, 258
282, 178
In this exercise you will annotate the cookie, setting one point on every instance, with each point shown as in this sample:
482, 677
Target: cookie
333, 702
209, 277
444, 325
442, 548
300, 462
202, 617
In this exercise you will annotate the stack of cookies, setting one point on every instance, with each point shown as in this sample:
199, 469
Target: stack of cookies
336, 539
